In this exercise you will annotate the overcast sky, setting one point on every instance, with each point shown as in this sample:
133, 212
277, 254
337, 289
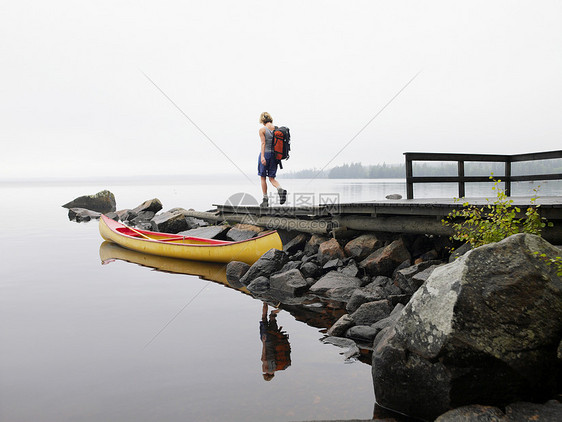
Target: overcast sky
76, 99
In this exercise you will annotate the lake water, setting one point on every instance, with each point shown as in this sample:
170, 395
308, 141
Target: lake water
83, 341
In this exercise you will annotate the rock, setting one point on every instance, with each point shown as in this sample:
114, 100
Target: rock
259, 285
404, 278
362, 333
330, 250
473, 413
371, 312
311, 247
81, 215
362, 246
113, 215
209, 232
336, 285
351, 269
332, 264
524, 411
310, 269
460, 251
101, 202
169, 222
143, 217
243, 232
297, 256
364, 295
270, 262
235, 270
559, 351
296, 244
126, 215
291, 282
394, 196
384, 260
341, 326
427, 256
150, 205
291, 265
195, 223
352, 350
488, 323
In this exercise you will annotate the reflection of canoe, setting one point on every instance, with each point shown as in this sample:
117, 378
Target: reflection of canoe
195, 248
213, 271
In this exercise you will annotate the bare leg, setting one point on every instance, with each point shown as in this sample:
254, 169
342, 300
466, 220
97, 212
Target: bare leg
263, 186
274, 182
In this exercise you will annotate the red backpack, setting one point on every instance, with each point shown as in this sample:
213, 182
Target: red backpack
281, 143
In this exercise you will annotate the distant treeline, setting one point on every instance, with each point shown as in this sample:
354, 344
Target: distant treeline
398, 171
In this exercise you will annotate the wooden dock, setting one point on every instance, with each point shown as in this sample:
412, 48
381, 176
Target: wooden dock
414, 216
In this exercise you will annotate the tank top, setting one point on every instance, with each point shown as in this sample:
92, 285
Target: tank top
268, 140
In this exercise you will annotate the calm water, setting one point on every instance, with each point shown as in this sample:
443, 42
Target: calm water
83, 341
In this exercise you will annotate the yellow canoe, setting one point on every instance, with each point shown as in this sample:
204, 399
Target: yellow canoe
193, 248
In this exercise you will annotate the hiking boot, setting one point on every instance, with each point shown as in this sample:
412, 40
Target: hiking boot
264, 203
282, 196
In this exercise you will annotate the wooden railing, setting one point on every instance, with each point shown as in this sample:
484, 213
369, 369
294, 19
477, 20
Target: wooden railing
461, 179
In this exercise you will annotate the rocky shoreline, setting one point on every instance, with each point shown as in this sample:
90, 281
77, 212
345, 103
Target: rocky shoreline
475, 332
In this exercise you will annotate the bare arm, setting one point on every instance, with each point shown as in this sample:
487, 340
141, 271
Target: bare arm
262, 139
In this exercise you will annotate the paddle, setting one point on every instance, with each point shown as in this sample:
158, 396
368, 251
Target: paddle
142, 234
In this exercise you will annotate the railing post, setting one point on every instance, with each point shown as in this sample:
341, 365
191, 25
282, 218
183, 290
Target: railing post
409, 175
508, 176
462, 193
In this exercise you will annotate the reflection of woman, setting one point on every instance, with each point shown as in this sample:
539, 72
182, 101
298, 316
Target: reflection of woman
276, 350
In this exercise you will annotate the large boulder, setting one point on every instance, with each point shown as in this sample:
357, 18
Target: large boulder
483, 329
362, 246
291, 282
235, 270
243, 232
102, 202
151, 205
269, 263
330, 250
385, 260
311, 247
169, 222
336, 285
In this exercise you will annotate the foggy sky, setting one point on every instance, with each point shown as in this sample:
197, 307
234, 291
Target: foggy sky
76, 99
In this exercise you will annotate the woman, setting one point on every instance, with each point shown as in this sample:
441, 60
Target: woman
267, 164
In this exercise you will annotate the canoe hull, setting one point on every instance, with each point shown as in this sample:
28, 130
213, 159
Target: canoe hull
248, 251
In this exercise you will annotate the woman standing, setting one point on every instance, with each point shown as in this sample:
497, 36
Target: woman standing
267, 164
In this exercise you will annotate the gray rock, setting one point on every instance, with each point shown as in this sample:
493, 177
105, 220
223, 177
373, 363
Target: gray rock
270, 262
101, 202
209, 232
405, 278
484, 323
195, 223
394, 196
352, 349
311, 247
362, 246
384, 260
336, 285
296, 244
126, 215
473, 413
291, 282
351, 269
291, 265
259, 285
341, 326
151, 205
332, 264
82, 215
362, 333
310, 269
169, 222
524, 411
371, 312
363, 295
113, 215
330, 250
457, 253
235, 270
143, 217
243, 232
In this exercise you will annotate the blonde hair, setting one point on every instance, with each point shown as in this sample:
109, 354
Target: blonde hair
265, 117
